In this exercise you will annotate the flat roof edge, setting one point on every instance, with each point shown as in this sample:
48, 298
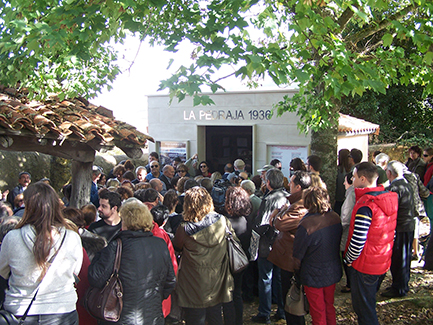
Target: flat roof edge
259, 91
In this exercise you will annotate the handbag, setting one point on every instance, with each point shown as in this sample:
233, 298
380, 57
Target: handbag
254, 245
7, 318
296, 300
238, 260
107, 303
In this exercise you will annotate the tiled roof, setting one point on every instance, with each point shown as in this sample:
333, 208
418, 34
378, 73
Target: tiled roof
70, 119
352, 125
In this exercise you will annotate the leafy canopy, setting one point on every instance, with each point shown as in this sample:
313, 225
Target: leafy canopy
329, 49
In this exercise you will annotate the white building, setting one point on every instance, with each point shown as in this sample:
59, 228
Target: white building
239, 125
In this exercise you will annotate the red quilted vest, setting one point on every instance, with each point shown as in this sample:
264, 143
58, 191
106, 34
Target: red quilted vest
375, 257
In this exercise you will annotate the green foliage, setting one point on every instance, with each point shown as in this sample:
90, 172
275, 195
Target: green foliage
330, 49
404, 116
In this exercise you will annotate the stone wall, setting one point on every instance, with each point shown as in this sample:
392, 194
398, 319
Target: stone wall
394, 152
58, 170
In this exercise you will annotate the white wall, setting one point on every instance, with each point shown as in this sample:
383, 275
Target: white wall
354, 141
180, 121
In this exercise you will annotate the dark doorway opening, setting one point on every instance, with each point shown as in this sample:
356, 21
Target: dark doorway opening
225, 144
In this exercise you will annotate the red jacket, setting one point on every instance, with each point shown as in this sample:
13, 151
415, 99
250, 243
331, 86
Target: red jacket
375, 257
428, 173
158, 232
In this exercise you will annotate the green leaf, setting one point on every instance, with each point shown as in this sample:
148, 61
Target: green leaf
387, 40
302, 76
428, 58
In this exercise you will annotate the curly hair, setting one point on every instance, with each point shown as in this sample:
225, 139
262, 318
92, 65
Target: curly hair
238, 202
181, 184
316, 200
136, 216
197, 204
170, 199
124, 192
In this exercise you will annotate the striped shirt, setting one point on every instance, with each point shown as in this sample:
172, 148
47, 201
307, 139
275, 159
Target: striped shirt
359, 237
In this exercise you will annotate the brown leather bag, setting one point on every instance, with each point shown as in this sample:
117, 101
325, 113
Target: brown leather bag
107, 303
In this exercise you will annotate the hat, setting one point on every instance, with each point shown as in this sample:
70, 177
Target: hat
239, 163
265, 168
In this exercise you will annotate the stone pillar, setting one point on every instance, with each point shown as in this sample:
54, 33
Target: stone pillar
81, 183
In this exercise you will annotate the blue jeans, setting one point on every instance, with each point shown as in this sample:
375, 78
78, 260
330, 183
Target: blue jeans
53, 319
400, 261
269, 285
363, 288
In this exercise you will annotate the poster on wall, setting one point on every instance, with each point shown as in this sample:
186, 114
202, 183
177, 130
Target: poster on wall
285, 154
172, 149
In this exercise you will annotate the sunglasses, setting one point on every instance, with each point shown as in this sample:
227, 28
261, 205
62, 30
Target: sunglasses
181, 171
203, 166
425, 155
154, 166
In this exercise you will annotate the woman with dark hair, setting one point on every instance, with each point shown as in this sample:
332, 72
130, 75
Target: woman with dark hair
316, 252
171, 200
203, 170
204, 278
415, 163
25, 259
101, 181
182, 171
146, 271
297, 164
343, 169
238, 207
428, 159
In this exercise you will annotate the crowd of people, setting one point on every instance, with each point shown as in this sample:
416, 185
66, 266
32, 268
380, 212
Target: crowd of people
172, 220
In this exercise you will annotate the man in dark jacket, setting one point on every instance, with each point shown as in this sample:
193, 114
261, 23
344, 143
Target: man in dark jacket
369, 245
167, 174
404, 232
269, 274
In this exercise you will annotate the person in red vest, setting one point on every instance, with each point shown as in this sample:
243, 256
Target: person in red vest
371, 238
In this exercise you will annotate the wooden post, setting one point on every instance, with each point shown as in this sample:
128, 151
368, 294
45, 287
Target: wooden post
81, 183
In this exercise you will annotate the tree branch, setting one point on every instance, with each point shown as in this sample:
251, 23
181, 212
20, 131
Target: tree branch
344, 18
376, 27
225, 77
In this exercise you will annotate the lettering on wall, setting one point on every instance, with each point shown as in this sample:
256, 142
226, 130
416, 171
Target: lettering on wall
212, 115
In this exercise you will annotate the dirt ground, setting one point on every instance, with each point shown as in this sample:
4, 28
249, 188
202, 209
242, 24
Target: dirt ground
415, 308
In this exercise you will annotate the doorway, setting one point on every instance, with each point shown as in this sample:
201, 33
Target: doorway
225, 144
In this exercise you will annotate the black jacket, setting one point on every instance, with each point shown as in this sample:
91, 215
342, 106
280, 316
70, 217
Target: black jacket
146, 273
166, 181
406, 205
316, 250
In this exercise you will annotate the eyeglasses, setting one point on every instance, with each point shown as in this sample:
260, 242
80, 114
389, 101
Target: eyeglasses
425, 155
181, 171
154, 166
203, 166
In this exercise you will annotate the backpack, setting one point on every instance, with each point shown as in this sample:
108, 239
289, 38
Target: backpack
218, 194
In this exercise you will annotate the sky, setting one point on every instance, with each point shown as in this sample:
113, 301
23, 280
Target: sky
127, 99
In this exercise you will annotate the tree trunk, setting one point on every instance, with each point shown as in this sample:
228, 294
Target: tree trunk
324, 145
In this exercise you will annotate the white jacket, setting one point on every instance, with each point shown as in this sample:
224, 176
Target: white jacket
17, 262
